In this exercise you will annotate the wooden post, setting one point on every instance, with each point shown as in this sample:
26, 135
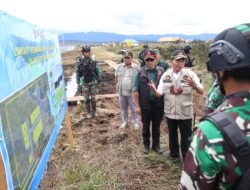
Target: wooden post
3, 183
68, 123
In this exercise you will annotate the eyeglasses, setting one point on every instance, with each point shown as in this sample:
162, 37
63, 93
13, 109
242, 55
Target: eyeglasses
127, 57
149, 59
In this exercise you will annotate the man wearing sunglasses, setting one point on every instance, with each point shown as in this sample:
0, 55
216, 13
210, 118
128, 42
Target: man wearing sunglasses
219, 154
150, 106
125, 76
177, 85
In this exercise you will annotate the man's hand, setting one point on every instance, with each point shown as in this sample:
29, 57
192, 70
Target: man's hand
190, 82
152, 86
138, 109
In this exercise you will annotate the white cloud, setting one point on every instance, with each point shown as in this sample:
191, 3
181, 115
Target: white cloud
131, 16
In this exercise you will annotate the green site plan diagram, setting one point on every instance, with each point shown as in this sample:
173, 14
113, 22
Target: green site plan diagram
27, 124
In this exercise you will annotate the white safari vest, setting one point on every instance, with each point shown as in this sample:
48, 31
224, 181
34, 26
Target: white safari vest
178, 98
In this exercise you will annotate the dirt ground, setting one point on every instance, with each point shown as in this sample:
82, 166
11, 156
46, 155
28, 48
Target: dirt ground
104, 156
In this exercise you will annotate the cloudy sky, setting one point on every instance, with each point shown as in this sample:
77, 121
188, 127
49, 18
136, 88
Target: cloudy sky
131, 16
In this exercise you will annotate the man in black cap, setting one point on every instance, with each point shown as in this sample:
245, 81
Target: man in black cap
150, 106
177, 85
220, 152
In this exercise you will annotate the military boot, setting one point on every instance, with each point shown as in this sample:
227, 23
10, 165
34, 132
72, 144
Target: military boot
88, 109
93, 104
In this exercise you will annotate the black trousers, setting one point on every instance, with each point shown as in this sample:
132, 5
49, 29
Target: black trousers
185, 127
154, 114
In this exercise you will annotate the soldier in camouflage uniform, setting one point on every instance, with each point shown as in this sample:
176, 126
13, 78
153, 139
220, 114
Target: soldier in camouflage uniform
187, 49
88, 79
142, 53
214, 98
160, 62
210, 162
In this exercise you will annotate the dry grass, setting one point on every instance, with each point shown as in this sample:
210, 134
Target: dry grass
106, 157
103, 54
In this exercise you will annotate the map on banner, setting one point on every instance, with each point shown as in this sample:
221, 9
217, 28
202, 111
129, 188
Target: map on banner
30, 129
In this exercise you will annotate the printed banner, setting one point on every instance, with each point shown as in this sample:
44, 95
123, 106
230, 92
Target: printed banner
32, 100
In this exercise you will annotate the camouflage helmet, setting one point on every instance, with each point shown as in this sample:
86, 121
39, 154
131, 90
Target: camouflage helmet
86, 49
187, 48
145, 46
230, 49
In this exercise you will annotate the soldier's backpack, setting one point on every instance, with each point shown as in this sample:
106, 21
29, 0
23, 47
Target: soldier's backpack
237, 142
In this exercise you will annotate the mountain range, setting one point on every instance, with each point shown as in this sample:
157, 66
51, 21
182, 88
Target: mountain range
99, 37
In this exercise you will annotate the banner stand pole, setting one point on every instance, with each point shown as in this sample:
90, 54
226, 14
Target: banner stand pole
68, 123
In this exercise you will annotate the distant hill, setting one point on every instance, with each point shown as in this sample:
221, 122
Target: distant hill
98, 37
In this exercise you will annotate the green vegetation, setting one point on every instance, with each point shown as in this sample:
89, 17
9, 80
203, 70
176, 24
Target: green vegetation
82, 176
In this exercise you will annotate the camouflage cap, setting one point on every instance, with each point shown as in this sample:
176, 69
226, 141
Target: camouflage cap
178, 54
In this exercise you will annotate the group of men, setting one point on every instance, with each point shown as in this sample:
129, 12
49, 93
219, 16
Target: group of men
219, 153
137, 89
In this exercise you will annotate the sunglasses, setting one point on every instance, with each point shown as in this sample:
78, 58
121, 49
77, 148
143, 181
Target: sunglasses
149, 59
127, 57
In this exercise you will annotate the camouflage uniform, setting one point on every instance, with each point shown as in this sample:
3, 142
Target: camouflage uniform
214, 98
141, 58
161, 63
210, 163
88, 79
188, 62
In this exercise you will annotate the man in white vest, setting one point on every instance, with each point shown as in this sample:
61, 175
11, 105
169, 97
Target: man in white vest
177, 85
